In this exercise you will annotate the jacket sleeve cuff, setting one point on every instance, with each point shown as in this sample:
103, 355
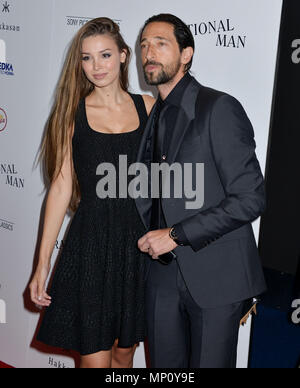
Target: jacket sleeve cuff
182, 238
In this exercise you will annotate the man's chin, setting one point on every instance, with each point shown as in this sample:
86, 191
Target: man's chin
150, 80
155, 81
152, 83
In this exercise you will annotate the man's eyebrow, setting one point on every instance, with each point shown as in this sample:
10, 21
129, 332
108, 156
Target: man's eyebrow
156, 37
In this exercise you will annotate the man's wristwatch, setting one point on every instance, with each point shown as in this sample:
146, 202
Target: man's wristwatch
174, 237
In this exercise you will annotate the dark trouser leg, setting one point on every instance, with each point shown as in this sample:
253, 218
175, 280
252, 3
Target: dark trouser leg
167, 321
214, 332
217, 347
183, 335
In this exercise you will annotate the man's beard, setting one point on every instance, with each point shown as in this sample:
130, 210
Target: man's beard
166, 74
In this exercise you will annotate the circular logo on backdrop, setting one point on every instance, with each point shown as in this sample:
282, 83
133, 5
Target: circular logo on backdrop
3, 120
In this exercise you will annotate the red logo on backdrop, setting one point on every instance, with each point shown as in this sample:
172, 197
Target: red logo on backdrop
3, 120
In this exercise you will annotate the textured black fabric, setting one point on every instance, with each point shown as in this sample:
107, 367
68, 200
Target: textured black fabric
98, 287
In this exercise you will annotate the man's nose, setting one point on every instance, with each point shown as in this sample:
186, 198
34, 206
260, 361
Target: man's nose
150, 54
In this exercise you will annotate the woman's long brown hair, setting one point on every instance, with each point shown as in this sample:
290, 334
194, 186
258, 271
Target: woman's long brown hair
74, 85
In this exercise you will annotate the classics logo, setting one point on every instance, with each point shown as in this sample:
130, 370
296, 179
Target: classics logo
7, 225
12, 177
3, 120
79, 21
224, 30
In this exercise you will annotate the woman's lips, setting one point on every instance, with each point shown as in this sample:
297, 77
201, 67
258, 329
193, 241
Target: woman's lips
99, 76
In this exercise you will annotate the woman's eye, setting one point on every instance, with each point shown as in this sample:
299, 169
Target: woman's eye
106, 56
85, 58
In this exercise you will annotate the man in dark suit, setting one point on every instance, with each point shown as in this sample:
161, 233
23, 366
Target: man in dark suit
205, 261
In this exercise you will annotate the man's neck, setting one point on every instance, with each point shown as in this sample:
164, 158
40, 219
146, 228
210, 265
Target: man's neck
166, 89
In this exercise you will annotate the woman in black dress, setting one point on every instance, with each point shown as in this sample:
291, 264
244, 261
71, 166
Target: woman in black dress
97, 295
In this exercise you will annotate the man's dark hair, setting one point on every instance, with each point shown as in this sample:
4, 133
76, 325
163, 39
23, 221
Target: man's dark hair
182, 32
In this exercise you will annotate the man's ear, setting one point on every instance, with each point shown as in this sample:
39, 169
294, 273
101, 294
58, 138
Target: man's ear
187, 55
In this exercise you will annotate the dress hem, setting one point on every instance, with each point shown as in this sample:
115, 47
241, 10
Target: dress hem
97, 350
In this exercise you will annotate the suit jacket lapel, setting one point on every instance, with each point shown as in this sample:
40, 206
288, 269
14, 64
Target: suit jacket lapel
185, 115
147, 136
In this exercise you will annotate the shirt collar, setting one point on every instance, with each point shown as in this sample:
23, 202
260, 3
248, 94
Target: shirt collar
174, 98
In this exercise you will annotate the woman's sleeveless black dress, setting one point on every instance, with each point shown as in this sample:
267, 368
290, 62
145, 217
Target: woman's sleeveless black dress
98, 286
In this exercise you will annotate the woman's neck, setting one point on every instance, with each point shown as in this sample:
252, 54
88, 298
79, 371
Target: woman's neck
109, 96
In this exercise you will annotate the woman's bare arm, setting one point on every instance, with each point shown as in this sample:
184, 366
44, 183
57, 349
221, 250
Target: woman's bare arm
58, 201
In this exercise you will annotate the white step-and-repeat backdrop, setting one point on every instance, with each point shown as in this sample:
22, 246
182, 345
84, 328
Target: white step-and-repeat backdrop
236, 50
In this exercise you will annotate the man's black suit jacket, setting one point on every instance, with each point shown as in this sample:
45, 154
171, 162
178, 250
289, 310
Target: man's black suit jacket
222, 265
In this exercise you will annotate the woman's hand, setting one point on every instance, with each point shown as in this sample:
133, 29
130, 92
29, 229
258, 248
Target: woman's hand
37, 287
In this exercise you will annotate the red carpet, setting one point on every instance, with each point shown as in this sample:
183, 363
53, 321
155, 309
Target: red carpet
4, 366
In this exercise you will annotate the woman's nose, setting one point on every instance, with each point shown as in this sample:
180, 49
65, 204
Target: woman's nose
97, 64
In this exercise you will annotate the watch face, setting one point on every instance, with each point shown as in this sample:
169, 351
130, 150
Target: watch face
173, 233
